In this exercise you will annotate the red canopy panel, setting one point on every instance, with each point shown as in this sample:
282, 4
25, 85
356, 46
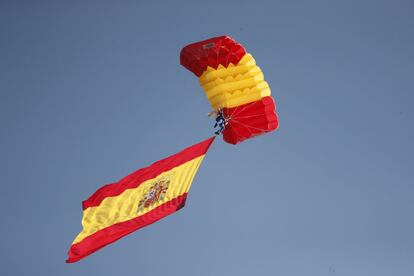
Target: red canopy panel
250, 120
211, 52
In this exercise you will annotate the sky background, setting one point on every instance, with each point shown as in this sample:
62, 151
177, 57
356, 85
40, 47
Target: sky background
93, 90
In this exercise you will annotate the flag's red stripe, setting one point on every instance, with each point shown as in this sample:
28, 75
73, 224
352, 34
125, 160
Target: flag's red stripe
114, 232
136, 178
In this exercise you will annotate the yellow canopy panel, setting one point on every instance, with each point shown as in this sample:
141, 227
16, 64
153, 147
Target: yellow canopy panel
235, 85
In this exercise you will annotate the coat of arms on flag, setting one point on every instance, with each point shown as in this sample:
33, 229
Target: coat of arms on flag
154, 193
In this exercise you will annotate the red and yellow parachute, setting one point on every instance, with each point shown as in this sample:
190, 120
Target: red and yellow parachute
234, 84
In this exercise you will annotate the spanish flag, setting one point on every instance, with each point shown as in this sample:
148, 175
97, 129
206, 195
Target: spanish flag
139, 199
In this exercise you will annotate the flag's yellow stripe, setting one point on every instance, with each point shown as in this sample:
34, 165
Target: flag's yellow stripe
235, 85
125, 206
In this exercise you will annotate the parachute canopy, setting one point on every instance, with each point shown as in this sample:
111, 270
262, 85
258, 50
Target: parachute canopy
234, 83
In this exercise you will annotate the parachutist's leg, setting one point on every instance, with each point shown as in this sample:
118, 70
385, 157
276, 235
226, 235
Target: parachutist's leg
222, 126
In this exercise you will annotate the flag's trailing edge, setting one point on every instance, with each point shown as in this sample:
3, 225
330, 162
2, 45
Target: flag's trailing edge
137, 200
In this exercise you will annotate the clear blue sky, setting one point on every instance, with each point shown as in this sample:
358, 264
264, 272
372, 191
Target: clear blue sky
93, 90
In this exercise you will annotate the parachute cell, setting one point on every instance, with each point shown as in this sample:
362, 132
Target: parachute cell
250, 120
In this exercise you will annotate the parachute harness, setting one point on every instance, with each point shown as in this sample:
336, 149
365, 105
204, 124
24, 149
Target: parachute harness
221, 122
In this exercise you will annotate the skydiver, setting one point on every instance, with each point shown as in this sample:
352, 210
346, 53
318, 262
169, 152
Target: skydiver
221, 122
